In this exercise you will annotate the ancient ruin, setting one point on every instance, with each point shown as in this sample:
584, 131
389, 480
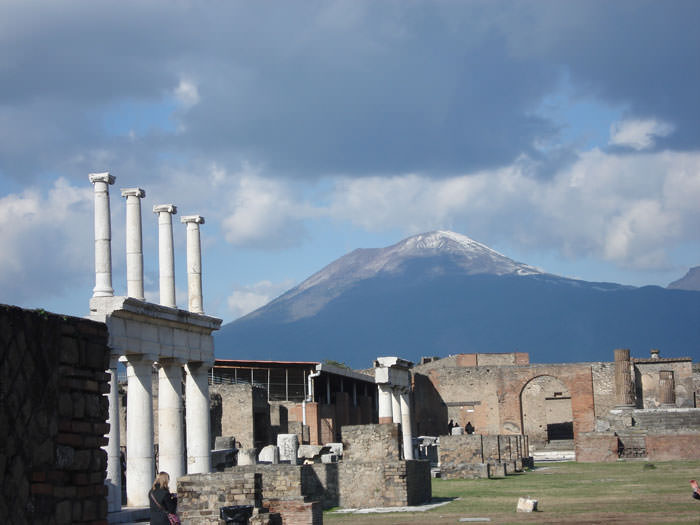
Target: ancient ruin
142, 334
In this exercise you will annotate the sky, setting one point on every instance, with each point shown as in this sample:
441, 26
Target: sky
565, 135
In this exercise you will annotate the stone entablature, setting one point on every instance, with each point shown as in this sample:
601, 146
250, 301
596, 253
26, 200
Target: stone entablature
139, 327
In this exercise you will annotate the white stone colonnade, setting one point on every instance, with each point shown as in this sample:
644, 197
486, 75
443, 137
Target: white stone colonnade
393, 378
142, 334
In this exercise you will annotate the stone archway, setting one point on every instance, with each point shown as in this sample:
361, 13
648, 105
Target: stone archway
545, 408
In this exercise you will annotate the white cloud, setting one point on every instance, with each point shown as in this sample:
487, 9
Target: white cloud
638, 134
628, 209
245, 299
45, 241
187, 93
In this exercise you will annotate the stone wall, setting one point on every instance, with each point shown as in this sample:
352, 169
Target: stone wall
490, 396
384, 483
603, 388
53, 416
365, 443
200, 496
477, 456
647, 381
673, 447
239, 405
597, 447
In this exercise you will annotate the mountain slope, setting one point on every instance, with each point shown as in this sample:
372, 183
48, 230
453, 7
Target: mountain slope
442, 293
690, 281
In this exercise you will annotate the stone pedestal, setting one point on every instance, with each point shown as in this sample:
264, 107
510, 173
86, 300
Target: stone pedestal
269, 454
246, 456
288, 445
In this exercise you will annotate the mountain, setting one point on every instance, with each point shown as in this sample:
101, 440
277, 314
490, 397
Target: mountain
442, 293
691, 281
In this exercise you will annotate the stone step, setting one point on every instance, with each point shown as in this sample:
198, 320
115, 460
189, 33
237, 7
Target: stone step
553, 455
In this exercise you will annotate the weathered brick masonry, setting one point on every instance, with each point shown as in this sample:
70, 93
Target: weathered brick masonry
52, 418
477, 456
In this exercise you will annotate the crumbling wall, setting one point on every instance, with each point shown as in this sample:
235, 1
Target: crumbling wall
240, 402
384, 483
647, 381
476, 456
53, 415
597, 447
363, 443
200, 496
603, 388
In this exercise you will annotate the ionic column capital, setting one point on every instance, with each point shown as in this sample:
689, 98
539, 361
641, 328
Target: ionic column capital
168, 208
133, 192
198, 219
102, 177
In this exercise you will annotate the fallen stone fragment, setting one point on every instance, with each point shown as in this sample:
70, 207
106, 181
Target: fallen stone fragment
527, 505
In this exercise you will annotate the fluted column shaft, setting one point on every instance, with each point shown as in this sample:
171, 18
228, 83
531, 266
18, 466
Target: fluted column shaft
166, 256
194, 263
103, 235
404, 398
114, 471
624, 387
667, 388
171, 438
134, 242
385, 402
140, 466
197, 415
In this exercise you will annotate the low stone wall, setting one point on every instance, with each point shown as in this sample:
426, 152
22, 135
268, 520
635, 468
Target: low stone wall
384, 484
671, 447
53, 415
473, 456
200, 496
592, 447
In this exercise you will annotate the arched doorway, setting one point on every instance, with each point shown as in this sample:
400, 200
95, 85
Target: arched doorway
545, 407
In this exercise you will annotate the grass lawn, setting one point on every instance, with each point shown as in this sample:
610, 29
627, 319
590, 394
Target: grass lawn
622, 492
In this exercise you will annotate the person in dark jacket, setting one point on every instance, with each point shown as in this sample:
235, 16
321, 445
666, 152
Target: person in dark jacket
161, 500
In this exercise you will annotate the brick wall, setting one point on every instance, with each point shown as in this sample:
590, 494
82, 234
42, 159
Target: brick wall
647, 381
52, 418
673, 447
596, 447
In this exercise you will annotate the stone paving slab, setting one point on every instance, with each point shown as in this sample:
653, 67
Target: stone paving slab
435, 503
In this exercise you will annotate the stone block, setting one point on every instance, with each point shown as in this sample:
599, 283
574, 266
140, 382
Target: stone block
269, 454
288, 444
329, 458
526, 505
246, 456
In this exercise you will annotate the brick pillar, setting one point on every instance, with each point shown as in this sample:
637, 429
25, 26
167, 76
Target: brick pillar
624, 388
667, 388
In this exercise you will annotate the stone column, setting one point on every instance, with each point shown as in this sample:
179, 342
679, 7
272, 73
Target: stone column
385, 402
194, 263
140, 467
198, 423
406, 424
395, 405
166, 256
624, 387
103, 235
171, 433
134, 243
114, 467
667, 388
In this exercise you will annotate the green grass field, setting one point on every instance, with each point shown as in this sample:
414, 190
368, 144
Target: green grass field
621, 492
